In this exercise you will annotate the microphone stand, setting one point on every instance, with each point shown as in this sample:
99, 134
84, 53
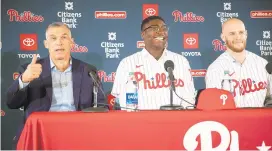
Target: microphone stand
171, 93
171, 106
95, 108
95, 90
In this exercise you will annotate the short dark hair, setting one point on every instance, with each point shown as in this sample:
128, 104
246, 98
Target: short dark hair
150, 18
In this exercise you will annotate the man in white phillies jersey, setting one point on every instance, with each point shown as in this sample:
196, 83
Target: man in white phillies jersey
148, 68
250, 80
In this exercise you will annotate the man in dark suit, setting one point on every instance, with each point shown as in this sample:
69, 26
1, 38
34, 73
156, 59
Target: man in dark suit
55, 83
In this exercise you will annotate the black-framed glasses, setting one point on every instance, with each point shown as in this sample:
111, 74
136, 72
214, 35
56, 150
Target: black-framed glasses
155, 28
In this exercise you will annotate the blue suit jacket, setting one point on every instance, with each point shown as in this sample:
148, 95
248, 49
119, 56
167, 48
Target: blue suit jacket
37, 96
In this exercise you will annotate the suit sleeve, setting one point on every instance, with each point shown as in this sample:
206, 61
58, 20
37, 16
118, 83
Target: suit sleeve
16, 97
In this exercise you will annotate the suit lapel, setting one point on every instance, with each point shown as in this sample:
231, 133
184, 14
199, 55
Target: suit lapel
47, 78
77, 78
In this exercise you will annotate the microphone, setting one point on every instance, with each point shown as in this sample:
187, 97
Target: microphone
268, 101
97, 85
268, 67
95, 78
268, 98
169, 67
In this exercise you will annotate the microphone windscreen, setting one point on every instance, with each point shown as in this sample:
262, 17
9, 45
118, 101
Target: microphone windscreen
90, 68
168, 63
268, 67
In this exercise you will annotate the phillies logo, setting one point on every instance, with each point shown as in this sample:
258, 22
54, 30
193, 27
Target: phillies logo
247, 86
186, 17
77, 48
159, 81
224, 98
218, 45
204, 130
26, 16
106, 78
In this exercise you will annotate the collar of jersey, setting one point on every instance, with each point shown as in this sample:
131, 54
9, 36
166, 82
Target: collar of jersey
230, 58
147, 54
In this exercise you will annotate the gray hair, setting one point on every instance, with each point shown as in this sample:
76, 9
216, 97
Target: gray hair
56, 24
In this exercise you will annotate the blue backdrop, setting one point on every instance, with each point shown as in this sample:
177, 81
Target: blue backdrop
106, 31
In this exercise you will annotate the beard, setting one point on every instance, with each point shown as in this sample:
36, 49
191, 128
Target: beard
234, 47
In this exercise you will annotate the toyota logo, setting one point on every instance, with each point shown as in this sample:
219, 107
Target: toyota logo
150, 11
28, 42
191, 41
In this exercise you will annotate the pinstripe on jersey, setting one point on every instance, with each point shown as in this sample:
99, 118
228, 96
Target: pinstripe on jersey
250, 79
150, 73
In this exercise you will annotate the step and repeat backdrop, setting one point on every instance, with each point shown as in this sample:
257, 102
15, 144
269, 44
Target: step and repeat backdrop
106, 31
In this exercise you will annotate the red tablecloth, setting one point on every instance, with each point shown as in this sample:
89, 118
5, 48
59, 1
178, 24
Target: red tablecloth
243, 129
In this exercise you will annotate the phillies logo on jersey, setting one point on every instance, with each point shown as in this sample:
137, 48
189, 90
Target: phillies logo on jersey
248, 85
160, 81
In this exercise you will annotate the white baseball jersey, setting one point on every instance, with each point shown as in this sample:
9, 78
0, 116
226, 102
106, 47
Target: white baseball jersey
250, 80
153, 81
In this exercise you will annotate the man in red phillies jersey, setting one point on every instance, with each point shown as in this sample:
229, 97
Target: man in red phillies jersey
250, 81
149, 73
